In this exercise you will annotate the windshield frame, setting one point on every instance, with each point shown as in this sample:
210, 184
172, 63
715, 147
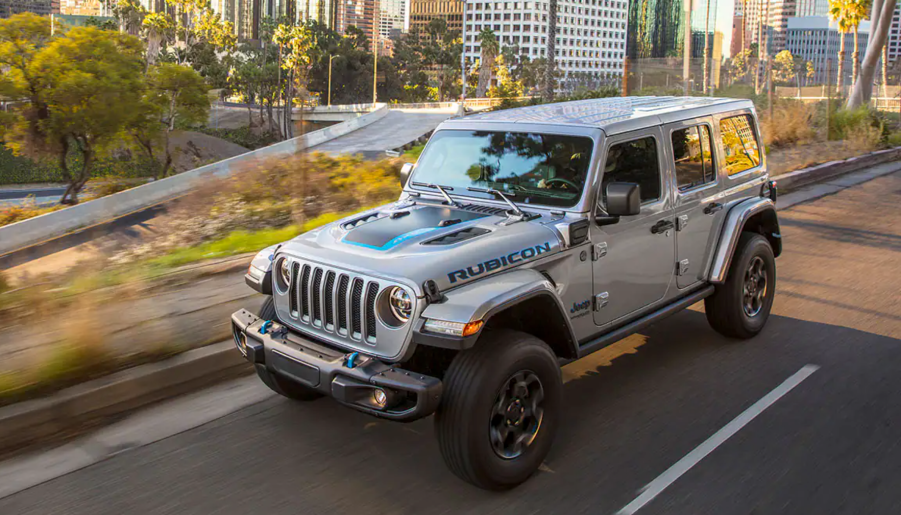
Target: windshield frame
580, 206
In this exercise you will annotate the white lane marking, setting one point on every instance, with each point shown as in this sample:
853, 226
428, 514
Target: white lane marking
653, 489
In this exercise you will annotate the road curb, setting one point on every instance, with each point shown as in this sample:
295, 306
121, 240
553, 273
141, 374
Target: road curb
87, 404
81, 406
806, 176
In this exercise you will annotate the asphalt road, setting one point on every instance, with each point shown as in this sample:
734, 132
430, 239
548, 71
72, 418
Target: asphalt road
41, 195
830, 445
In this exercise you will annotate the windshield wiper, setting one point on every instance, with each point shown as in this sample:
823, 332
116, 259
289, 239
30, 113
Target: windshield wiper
514, 207
442, 189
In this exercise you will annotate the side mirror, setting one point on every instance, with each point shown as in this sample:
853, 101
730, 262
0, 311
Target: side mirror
405, 172
623, 199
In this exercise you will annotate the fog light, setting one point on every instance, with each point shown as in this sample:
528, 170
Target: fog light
380, 398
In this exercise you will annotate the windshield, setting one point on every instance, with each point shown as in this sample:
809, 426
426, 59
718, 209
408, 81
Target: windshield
548, 169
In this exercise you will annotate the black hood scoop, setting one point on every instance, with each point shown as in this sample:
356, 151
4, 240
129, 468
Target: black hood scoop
385, 232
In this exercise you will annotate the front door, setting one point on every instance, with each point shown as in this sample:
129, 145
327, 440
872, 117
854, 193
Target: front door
698, 212
635, 256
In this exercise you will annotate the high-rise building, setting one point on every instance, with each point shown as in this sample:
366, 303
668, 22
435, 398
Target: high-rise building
84, 7
358, 13
424, 11
893, 44
655, 28
812, 8
816, 39
591, 34
393, 18
780, 12
42, 7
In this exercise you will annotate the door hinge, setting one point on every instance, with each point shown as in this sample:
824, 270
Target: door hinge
681, 222
598, 251
600, 300
682, 267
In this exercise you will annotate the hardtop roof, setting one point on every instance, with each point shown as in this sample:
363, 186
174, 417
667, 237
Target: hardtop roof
612, 115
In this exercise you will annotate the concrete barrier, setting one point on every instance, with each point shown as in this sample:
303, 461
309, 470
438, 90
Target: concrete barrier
819, 173
58, 223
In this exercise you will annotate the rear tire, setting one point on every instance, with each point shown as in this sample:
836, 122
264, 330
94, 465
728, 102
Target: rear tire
283, 387
740, 307
500, 409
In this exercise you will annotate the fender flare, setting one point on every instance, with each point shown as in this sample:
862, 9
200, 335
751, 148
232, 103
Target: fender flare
481, 300
733, 226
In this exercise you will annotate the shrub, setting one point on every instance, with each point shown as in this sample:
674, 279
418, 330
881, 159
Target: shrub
862, 128
22, 170
894, 139
17, 213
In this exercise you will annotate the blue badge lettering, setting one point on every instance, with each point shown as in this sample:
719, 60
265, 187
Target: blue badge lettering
497, 263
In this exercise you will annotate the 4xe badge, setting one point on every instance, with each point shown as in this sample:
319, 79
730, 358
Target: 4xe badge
580, 309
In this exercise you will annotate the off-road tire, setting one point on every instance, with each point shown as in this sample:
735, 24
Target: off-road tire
725, 308
285, 388
472, 386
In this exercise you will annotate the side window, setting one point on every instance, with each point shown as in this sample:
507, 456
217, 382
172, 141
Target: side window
633, 161
739, 144
693, 159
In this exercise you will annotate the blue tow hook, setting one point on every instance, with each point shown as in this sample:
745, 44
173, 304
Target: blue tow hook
265, 327
351, 358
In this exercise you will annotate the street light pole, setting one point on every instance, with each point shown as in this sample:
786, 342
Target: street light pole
330, 80
463, 57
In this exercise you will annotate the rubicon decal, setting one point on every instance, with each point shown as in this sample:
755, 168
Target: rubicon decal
498, 262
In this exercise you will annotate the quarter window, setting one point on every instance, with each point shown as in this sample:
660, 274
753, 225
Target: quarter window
633, 161
694, 162
739, 144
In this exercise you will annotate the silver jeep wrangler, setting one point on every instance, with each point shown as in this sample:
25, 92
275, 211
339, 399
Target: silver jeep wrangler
523, 239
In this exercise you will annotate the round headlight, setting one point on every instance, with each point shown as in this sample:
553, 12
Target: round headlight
401, 303
284, 274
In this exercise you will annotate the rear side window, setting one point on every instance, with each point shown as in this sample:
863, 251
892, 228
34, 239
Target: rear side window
739, 144
694, 161
633, 161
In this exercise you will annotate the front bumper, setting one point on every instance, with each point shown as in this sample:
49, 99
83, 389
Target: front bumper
350, 378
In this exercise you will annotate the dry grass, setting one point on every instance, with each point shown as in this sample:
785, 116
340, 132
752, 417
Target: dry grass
793, 122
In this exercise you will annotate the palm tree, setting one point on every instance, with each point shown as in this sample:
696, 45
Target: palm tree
858, 10
550, 82
839, 12
490, 48
158, 28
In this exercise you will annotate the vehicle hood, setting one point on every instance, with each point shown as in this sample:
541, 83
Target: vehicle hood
412, 243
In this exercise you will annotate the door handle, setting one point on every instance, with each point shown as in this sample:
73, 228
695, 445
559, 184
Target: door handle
712, 208
662, 226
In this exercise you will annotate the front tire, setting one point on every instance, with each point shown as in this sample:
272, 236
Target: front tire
283, 387
500, 409
741, 306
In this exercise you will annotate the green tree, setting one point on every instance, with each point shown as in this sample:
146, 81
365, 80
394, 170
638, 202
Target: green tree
506, 87
294, 43
442, 53
490, 47
784, 66
175, 94
81, 88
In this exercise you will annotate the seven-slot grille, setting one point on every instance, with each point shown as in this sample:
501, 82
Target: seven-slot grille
333, 301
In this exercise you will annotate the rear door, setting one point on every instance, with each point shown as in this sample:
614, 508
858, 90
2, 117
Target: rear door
697, 212
634, 264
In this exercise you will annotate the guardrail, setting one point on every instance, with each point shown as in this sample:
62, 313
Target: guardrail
42, 228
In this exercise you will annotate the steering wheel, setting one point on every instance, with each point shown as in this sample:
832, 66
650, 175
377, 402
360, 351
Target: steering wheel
564, 181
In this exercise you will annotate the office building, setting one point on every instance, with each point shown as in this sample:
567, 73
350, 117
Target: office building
893, 44
424, 11
816, 39
591, 34
43, 7
358, 13
393, 19
84, 8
